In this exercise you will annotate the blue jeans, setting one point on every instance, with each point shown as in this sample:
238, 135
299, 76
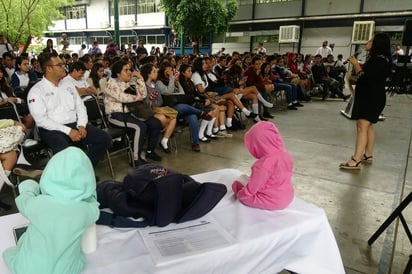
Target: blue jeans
190, 114
97, 141
290, 89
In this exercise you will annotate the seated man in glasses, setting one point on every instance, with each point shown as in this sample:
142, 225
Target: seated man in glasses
60, 113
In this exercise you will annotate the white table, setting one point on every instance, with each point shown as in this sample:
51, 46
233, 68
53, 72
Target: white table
298, 238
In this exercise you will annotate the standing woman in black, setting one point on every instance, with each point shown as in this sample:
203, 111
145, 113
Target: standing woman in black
370, 97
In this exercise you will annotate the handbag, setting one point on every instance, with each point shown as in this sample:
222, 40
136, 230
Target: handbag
10, 138
140, 109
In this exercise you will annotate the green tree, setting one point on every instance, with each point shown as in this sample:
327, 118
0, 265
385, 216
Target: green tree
21, 20
199, 18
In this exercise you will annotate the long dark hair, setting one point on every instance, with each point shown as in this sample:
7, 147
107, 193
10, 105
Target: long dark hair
187, 84
4, 87
94, 76
117, 67
381, 46
262, 68
198, 66
145, 70
161, 76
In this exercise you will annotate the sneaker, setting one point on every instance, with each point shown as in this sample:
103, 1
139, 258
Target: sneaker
153, 156
31, 173
231, 128
212, 136
224, 134
297, 104
252, 115
204, 139
140, 162
292, 107
196, 147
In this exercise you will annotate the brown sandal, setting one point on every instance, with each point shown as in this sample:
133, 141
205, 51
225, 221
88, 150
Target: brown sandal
367, 159
346, 165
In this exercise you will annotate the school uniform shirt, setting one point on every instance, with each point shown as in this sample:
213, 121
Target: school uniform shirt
77, 83
270, 183
52, 107
19, 79
59, 209
199, 80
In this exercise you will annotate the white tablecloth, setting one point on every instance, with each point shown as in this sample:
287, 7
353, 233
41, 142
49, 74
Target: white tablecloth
298, 238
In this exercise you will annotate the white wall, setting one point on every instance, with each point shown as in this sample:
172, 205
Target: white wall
311, 40
341, 37
98, 14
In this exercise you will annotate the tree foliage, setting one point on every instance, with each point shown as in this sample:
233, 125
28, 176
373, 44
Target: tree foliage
21, 20
201, 17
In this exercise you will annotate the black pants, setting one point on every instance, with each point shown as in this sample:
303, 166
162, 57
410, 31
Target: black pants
97, 141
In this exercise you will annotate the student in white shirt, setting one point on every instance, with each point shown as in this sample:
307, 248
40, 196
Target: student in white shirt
76, 78
324, 50
60, 113
22, 76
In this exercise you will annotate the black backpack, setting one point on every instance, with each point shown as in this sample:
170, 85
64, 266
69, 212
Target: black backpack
158, 195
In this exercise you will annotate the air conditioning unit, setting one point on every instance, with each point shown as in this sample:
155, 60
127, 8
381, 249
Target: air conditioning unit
289, 34
362, 31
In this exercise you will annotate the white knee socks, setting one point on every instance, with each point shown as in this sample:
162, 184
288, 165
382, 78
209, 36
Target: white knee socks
210, 126
263, 101
202, 128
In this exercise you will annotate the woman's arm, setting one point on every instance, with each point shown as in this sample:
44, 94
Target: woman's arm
169, 89
116, 90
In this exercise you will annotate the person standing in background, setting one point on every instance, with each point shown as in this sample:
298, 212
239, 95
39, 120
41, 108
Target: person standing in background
324, 50
260, 49
4, 45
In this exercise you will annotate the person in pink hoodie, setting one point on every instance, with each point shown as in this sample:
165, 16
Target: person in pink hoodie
270, 183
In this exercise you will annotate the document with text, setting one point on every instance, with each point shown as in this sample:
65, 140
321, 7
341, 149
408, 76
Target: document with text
177, 242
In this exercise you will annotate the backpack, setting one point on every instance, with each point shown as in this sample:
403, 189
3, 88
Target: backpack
157, 195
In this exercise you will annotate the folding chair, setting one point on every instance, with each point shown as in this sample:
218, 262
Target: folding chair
97, 118
318, 89
34, 147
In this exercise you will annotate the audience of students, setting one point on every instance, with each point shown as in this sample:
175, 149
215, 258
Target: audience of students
202, 91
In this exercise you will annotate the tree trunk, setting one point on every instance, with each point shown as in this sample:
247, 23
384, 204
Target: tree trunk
26, 45
195, 45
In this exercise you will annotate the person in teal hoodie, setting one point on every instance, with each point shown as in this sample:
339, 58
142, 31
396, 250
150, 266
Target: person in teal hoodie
59, 209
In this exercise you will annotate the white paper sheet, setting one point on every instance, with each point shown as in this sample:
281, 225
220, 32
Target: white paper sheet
177, 242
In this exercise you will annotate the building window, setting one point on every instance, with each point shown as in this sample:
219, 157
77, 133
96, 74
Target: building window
77, 40
244, 2
102, 40
266, 39
155, 39
75, 12
125, 7
272, 1
124, 40
148, 6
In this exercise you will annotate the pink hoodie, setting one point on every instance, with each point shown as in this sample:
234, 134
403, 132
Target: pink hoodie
270, 184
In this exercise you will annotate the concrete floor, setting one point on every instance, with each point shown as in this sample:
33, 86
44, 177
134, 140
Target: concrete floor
319, 138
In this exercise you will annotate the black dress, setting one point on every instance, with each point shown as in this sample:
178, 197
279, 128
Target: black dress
370, 95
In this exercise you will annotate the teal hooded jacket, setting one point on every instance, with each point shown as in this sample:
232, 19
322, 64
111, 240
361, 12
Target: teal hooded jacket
60, 209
